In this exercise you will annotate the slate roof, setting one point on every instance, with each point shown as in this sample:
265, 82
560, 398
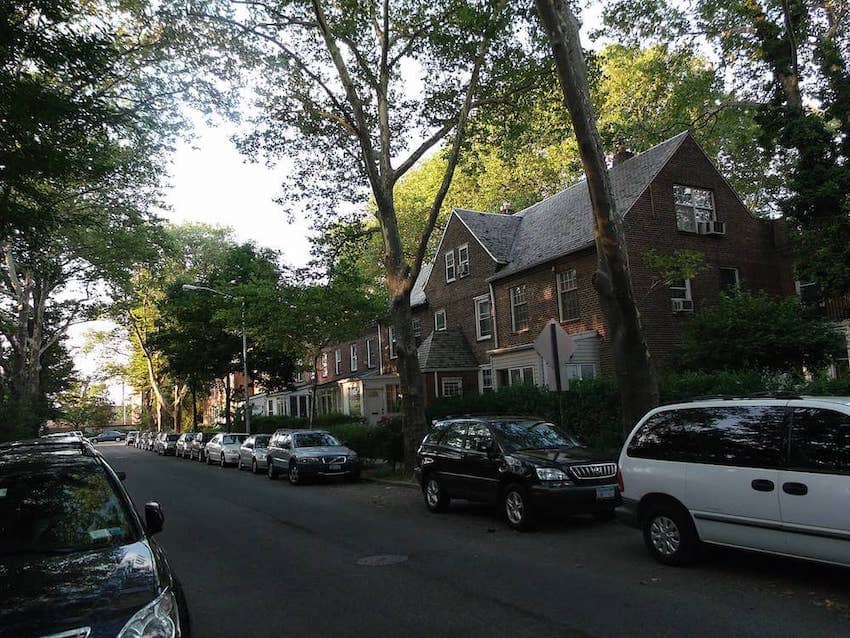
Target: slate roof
446, 350
496, 232
417, 293
563, 223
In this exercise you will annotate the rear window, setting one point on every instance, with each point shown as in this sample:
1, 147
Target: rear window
747, 436
261, 441
67, 507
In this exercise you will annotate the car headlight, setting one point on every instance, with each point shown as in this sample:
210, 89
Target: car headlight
307, 459
514, 464
159, 619
551, 474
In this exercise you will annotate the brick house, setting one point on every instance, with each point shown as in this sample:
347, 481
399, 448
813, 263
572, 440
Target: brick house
498, 279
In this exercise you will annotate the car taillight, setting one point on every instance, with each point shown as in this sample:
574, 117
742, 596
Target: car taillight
620, 480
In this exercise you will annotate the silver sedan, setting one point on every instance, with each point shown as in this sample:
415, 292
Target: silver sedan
253, 451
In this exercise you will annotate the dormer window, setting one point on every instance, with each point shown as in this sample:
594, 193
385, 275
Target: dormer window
451, 273
463, 260
694, 207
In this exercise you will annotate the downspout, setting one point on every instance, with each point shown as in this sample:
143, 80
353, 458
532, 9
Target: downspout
495, 333
436, 386
380, 352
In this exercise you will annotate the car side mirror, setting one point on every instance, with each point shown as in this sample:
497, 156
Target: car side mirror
154, 518
121, 475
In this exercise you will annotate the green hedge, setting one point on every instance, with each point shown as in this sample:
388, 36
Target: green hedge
592, 408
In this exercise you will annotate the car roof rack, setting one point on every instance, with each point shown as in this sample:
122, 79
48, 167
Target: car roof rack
739, 397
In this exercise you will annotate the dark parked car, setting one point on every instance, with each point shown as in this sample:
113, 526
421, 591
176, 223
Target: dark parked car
310, 454
252, 453
108, 435
524, 464
75, 557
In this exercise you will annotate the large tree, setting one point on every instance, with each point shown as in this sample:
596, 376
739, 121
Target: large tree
357, 93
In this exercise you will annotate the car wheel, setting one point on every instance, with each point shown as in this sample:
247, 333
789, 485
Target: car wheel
294, 474
222, 462
604, 516
253, 466
207, 459
270, 471
670, 535
517, 508
436, 498
239, 463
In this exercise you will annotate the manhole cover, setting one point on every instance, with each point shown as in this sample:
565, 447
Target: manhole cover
381, 559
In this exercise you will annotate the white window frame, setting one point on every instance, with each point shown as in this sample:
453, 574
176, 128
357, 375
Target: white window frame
521, 371
685, 206
440, 313
337, 362
462, 261
353, 357
324, 364
391, 342
476, 304
685, 290
416, 325
452, 380
450, 266
577, 368
482, 386
515, 305
370, 355
564, 279
737, 276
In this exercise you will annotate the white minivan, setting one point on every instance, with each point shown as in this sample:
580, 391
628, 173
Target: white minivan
764, 474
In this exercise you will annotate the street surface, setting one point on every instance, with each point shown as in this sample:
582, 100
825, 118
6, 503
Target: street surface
263, 558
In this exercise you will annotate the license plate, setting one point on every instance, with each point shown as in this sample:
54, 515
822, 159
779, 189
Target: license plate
335, 467
603, 493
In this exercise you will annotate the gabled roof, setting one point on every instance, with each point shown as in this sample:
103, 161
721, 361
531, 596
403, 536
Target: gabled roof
446, 350
563, 223
417, 293
495, 232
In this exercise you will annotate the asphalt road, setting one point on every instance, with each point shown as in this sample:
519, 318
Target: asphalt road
263, 558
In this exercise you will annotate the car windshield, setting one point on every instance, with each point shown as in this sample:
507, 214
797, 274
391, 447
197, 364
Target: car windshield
314, 439
172, 437
532, 435
58, 508
233, 438
261, 441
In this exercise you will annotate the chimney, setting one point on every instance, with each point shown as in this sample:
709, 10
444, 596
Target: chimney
621, 154
506, 207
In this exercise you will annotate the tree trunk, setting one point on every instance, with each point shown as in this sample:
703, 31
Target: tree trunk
227, 401
612, 280
194, 408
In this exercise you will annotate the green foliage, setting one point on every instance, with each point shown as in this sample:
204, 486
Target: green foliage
680, 264
744, 331
86, 406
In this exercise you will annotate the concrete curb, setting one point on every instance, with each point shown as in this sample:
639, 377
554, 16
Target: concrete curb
408, 484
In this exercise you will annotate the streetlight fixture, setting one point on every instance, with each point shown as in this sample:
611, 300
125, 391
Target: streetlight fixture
191, 288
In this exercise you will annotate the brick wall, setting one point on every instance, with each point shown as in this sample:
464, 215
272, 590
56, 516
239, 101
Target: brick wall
345, 351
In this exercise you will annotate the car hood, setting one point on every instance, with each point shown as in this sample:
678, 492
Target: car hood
328, 450
101, 589
562, 457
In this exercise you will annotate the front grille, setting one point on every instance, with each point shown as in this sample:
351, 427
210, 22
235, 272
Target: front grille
333, 459
594, 471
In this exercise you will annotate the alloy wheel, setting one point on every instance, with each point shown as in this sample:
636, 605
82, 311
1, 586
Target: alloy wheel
514, 507
665, 536
293, 474
432, 493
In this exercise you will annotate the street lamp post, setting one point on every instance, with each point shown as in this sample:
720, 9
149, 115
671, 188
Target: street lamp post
247, 408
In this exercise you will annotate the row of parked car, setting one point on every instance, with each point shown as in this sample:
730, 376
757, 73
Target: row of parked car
299, 455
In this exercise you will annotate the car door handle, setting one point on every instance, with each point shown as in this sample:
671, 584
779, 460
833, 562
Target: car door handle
763, 485
797, 489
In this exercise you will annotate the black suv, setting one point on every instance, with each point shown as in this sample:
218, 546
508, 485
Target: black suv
524, 464
75, 558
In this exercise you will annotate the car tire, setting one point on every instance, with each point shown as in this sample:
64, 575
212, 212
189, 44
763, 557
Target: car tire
436, 498
253, 466
517, 508
222, 462
293, 474
670, 535
207, 459
605, 515
239, 463
271, 472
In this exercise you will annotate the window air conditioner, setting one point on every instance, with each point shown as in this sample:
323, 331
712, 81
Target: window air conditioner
711, 228
683, 305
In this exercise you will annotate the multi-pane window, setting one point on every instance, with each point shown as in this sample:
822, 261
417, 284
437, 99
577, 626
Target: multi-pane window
483, 319
337, 361
581, 371
391, 340
324, 364
519, 308
729, 279
450, 266
486, 380
440, 320
370, 354
680, 289
463, 260
452, 387
693, 205
417, 327
354, 357
521, 375
393, 396
568, 295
